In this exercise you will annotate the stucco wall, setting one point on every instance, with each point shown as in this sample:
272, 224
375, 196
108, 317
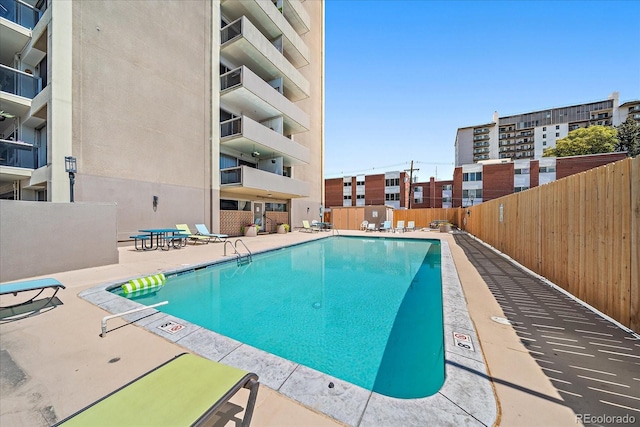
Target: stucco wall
142, 109
38, 238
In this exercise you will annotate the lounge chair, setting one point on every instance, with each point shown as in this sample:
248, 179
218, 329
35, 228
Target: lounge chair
186, 390
306, 227
411, 225
399, 226
29, 307
386, 226
371, 227
190, 236
364, 225
204, 231
317, 225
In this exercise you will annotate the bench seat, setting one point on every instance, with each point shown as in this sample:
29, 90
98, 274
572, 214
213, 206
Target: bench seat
142, 238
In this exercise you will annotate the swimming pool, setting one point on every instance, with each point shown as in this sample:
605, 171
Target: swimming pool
365, 310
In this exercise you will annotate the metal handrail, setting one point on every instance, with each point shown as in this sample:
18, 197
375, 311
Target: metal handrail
135, 310
235, 245
235, 251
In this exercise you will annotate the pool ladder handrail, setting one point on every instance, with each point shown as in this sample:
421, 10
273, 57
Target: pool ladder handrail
239, 257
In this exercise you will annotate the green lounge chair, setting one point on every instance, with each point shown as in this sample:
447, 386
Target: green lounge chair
184, 391
308, 228
184, 229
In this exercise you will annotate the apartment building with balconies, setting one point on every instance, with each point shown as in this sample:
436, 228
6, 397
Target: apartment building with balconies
526, 136
176, 111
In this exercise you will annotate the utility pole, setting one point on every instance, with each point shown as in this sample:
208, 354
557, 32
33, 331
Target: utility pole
411, 182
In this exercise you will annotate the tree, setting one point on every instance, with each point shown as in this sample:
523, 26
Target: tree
629, 137
591, 140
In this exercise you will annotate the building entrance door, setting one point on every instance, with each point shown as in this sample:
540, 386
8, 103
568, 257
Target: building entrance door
257, 214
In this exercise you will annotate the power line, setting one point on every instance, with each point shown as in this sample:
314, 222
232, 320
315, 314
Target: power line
375, 168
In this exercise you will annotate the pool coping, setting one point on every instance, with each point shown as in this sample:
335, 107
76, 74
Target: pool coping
466, 397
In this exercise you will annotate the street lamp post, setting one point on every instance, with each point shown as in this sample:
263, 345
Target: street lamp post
70, 167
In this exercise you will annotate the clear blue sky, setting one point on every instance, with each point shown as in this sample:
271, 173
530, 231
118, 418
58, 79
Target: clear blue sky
403, 76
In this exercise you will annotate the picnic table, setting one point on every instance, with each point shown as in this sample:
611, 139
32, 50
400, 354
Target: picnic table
161, 238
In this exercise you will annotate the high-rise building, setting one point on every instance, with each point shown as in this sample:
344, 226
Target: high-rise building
527, 135
176, 110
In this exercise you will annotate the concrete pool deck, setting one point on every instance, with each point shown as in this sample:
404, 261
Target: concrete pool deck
55, 363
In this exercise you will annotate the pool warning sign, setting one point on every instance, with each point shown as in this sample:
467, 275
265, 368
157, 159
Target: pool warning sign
171, 327
463, 341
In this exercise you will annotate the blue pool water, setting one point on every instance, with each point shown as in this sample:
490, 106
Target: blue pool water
368, 311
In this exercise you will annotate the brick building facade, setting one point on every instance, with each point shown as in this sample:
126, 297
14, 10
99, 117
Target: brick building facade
471, 184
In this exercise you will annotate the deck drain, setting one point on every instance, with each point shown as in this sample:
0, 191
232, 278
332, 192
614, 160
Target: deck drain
501, 320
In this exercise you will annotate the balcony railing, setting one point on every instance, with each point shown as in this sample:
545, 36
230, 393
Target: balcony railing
231, 79
231, 175
18, 82
231, 31
231, 127
20, 13
18, 154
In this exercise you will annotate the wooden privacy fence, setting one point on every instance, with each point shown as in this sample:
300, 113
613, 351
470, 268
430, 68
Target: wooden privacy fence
581, 232
423, 217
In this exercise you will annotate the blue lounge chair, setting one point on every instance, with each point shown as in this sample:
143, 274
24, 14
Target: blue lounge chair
204, 231
12, 312
386, 226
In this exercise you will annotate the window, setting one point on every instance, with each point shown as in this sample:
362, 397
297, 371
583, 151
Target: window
227, 161
348, 197
359, 182
446, 200
275, 207
544, 142
472, 176
476, 194
359, 196
544, 128
547, 169
557, 127
523, 171
446, 187
347, 184
234, 205
392, 196
392, 182
417, 200
519, 189
557, 134
544, 135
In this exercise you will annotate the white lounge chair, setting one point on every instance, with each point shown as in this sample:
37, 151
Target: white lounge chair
400, 226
